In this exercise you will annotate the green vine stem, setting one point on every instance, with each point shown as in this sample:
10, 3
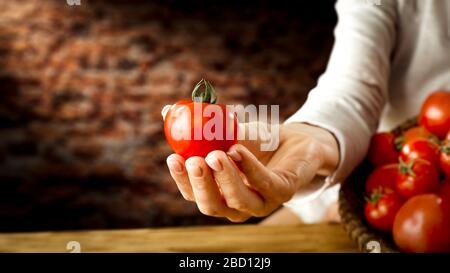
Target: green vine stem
207, 95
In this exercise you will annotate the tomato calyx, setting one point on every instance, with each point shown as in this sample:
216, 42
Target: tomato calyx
374, 197
377, 194
445, 149
406, 167
207, 95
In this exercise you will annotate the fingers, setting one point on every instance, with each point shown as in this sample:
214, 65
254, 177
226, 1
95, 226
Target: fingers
207, 195
236, 194
220, 189
195, 183
268, 183
178, 172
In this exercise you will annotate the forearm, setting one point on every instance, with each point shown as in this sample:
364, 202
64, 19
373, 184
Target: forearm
350, 95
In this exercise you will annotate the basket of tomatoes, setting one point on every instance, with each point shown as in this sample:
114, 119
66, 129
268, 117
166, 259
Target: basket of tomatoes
398, 199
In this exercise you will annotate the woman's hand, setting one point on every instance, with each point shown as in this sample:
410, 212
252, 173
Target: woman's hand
245, 181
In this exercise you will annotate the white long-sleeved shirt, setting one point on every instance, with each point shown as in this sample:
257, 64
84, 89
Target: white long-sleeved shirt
387, 57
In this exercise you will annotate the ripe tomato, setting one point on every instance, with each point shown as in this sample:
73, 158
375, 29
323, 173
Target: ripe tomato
416, 177
435, 113
382, 149
421, 148
381, 208
195, 128
417, 132
421, 225
382, 178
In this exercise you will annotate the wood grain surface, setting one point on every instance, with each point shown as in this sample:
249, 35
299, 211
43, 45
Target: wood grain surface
231, 238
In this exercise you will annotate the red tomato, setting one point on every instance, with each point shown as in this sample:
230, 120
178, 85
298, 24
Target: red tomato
382, 149
197, 128
381, 208
382, 177
421, 148
416, 177
435, 113
417, 132
445, 156
421, 225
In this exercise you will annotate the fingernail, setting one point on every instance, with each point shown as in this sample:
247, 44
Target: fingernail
194, 170
214, 163
235, 155
174, 166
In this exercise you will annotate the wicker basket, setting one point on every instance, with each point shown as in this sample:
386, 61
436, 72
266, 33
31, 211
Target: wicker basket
351, 208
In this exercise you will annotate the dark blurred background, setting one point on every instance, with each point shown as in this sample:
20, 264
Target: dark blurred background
82, 87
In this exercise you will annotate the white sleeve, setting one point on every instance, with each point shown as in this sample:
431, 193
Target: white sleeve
351, 94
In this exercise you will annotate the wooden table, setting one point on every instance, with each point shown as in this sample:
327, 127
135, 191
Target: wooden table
232, 238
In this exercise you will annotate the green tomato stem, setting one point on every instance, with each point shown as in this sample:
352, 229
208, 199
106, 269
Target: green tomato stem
406, 167
207, 95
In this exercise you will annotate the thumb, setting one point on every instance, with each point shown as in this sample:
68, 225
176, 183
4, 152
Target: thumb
266, 182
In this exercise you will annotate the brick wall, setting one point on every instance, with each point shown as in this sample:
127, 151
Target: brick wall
81, 89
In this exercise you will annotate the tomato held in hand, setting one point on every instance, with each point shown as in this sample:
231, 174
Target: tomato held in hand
382, 149
421, 148
197, 127
381, 208
421, 225
435, 113
416, 177
382, 178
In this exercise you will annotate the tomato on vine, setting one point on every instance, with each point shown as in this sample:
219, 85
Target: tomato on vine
435, 113
382, 178
423, 149
416, 176
381, 208
197, 127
